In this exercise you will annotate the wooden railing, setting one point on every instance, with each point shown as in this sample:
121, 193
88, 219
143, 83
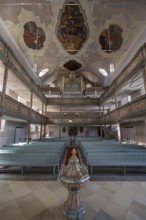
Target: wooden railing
75, 117
11, 107
75, 121
134, 109
72, 101
72, 114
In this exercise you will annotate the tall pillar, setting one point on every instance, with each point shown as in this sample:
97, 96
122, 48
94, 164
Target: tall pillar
105, 132
5, 79
119, 132
31, 98
100, 124
44, 131
28, 132
0, 121
84, 117
144, 77
104, 124
116, 103
60, 119
42, 108
31, 101
45, 113
4, 86
41, 129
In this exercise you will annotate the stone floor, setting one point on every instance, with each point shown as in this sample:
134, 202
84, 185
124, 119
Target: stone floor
43, 200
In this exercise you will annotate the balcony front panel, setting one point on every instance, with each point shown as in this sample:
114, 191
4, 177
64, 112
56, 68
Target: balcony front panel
71, 101
0, 98
16, 109
24, 111
138, 107
2, 46
72, 115
124, 111
134, 64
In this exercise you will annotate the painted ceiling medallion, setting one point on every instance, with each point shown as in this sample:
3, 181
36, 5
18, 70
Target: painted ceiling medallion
72, 65
72, 30
34, 36
111, 39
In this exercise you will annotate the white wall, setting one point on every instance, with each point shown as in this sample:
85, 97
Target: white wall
8, 135
91, 131
135, 132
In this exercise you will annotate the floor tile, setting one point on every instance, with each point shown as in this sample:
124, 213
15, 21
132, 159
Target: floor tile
97, 200
45, 215
127, 192
57, 211
114, 210
44, 200
138, 209
132, 216
6, 197
27, 199
9, 208
55, 186
113, 186
122, 200
4, 188
141, 199
18, 215
33, 209
61, 193
90, 211
93, 186
105, 192
102, 216
85, 193
131, 185
19, 189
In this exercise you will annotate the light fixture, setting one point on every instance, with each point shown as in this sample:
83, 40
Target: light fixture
34, 67
88, 85
52, 85
70, 121
102, 71
49, 92
112, 68
95, 92
43, 72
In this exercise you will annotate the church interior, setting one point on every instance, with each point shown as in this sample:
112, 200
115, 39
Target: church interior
72, 78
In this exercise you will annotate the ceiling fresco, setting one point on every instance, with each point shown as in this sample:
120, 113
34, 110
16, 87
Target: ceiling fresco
72, 30
34, 36
111, 38
83, 36
72, 65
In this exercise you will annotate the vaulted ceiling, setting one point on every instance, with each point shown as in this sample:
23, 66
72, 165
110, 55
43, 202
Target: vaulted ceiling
73, 35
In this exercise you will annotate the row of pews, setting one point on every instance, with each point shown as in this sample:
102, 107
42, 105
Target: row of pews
36, 154
99, 156
112, 156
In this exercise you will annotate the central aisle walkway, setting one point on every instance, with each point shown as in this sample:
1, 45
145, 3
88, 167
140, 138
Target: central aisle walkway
43, 200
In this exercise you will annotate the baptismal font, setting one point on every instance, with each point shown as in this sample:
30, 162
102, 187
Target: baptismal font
74, 177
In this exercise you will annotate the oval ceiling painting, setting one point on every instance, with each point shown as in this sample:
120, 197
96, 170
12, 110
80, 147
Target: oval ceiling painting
111, 39
72, 30
33, 36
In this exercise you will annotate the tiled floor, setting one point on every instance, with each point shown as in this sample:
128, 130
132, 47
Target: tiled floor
43, 200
